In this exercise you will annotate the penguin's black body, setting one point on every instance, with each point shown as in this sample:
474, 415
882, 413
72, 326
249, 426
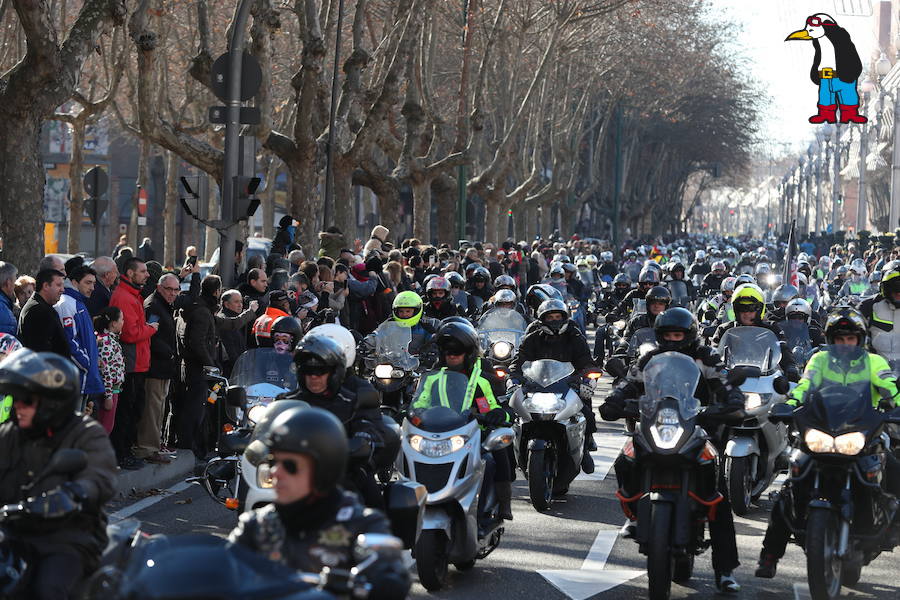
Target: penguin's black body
849, 66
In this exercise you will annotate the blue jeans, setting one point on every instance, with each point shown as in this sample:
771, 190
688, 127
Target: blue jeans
834, 91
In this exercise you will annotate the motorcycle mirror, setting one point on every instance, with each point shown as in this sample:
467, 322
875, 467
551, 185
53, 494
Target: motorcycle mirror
781, 385
499, 438
781, 413
616, 367
236, 396
256, 453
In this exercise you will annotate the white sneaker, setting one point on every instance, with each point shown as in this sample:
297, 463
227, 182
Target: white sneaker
629, 529
727, 584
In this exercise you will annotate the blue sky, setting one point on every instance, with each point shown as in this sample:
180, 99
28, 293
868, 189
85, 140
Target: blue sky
787, 95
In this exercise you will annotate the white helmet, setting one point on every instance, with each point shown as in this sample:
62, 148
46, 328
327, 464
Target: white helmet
701, 255
798, 305
606, 256
343, 337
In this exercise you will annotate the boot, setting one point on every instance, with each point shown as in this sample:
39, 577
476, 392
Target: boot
587, 462
849, 114
504, 498
827, 114
768, 565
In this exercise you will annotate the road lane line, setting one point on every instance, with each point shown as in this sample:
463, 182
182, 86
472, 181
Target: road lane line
147, 502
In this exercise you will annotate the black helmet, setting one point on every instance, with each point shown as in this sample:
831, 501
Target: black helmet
317, 353
480, 274
457, 338
846, 321
622, 281
540, 293
288, 325
676, 319
455, 279
505, 281
50, 377
318, 434
648, 276
553, 306
659, 294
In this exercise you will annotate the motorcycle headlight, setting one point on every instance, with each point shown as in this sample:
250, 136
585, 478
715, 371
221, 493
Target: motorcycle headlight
752, 400
264, 476
543, 402
818, 441
384, 371
850, 443
256, 413
436, 448
620, 324
501, 350
667, 430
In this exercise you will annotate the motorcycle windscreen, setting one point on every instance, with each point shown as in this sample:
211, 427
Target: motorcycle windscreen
670, 375
679, 292
392, 345
640, 306
750, 347
834, 405
501, 325
642, 340
262, 371
446, 388
546, 372
797, 333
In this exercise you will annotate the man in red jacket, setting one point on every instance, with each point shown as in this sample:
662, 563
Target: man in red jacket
135, 338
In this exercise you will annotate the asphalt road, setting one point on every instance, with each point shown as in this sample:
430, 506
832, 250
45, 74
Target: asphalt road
574, 544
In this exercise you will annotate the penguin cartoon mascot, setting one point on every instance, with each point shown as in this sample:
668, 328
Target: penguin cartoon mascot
835, 69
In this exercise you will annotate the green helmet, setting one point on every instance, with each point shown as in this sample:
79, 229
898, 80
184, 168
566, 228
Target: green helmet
407, 300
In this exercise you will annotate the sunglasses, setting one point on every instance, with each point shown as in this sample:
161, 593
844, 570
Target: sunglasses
288, 464
315, 370
27, 399
818, 22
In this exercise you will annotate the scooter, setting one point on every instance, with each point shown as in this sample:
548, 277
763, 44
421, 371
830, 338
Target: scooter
550, 438
444, 449
757, 448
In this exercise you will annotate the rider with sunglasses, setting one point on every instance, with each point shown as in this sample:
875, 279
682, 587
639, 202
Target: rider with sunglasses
67, 533
314, 523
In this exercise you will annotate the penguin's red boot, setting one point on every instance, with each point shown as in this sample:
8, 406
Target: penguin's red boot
827, 114
849, 114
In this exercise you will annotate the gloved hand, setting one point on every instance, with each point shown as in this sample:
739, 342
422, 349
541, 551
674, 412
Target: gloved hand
63, 501
361, 444
511, 383
793, 374
495, 417
781, 385
613, 408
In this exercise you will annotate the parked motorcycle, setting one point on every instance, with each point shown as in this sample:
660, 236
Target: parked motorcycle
756, 449
550, 437
675, 468
500, 331
444, 449
834, 500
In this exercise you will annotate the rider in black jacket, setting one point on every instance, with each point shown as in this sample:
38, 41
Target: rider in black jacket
677, 331
313, 523
554, 335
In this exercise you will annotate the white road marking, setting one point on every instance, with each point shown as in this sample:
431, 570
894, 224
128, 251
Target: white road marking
147, 502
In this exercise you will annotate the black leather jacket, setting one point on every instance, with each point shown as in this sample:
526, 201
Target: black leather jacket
569, 346
309, 536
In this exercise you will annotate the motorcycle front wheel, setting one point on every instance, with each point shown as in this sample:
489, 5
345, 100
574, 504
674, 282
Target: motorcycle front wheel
823, 567
740, 484
540, 479
431, 559
659, 553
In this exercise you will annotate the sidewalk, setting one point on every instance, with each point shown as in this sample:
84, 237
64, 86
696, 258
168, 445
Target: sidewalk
155, 476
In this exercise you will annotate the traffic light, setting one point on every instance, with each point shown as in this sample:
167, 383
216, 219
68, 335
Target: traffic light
731, 212
245, 201
195, 205
509, 213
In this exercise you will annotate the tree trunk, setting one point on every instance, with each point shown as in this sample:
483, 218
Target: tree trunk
344, 204
170, 210
268, 200
212, 236
21, 193
443, 193
421, 190
305, 203
528, 226
76, 190
547, 219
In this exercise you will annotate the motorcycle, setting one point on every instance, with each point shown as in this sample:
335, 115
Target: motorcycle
258, 377
680, 296
798, 340
200, 566
756, 449
550, 438
444, 449
834, 501
388, 356
675, 467
500, 331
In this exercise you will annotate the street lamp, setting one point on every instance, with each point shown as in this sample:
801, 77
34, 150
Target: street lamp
821, 139
801, 163
861, 205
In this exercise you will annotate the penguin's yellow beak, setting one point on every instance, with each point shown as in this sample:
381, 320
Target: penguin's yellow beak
799, 35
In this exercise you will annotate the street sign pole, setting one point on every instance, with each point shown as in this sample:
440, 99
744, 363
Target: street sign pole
95, 183
232, 141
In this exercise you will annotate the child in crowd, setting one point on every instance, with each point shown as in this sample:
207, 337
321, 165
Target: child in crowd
108, 325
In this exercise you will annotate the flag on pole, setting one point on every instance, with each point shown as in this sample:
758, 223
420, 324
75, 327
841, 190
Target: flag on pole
790, 257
